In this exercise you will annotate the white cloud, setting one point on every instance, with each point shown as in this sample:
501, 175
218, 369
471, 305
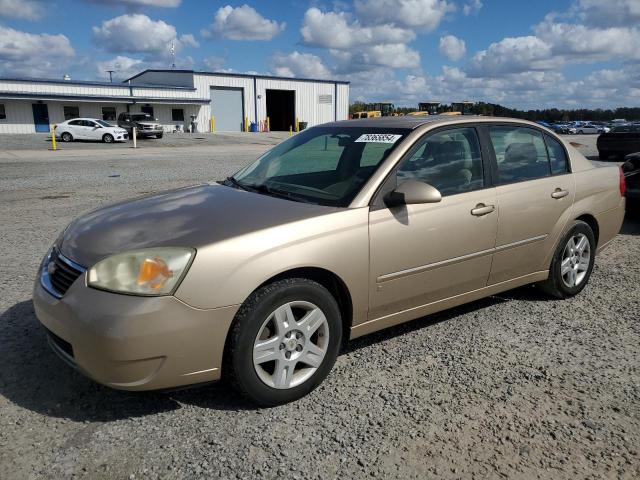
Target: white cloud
423, 15
123, 67
334, 30
452, 47
471, 7
214, 63
31, 54
512, 55
301, 65
580, 43
137, 33
608, 12
22, 9
242, 23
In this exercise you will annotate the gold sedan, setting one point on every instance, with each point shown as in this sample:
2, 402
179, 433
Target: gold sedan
339, 231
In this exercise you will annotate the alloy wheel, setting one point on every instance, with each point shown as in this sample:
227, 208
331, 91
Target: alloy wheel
291, 344
576, 258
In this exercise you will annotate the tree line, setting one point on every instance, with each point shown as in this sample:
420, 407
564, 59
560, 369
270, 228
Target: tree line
548, 114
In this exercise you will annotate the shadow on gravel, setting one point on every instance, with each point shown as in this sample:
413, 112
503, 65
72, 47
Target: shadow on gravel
33, 377
420, 323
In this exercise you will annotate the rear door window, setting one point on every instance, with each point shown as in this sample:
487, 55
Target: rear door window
520, 152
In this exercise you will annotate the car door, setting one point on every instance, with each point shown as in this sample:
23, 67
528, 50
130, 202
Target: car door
535, 192
93, 130
420, 254
73, 127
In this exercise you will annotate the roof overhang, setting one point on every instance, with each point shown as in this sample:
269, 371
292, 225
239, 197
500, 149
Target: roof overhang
102, 98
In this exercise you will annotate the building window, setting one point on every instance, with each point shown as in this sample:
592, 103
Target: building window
148, 109
109, 113
71, 112
177, 115
3, 114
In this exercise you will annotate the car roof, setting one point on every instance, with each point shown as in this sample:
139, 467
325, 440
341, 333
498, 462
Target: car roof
412, 122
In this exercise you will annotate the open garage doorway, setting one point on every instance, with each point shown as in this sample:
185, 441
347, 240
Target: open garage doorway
281, 109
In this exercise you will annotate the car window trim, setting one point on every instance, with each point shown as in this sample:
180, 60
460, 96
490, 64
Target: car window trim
389, 183
494, 159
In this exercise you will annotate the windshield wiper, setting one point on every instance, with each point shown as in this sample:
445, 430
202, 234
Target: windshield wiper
263, 188
238, 184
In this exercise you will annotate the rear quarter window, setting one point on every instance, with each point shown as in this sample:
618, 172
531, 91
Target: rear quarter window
557, 156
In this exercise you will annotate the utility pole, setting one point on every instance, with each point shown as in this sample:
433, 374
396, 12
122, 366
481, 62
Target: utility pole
172, 51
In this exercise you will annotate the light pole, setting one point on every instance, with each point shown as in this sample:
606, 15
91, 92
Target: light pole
110, 72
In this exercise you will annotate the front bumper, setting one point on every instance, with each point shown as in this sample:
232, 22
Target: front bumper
134, 343
149, 133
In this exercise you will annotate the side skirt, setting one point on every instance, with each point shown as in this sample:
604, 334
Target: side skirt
380, 323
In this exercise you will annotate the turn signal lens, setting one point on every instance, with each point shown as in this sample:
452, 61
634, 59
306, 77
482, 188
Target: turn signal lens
623, 183
154, 272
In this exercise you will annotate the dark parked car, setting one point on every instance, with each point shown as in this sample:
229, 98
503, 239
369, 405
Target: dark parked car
146, 125
620, 141
631, 170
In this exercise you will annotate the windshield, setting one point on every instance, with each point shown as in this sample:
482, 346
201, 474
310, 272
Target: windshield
103, 123
323, 165
143, 118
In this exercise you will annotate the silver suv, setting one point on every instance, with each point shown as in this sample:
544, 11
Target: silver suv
145, 124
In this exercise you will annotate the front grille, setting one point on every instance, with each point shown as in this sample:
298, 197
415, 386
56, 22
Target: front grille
62, 272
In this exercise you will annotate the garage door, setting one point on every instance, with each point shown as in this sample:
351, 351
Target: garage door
226, 108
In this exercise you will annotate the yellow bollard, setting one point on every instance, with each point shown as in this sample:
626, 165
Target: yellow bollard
297, 125
246, 124
268, 125
213, 125
53, 138
290, 130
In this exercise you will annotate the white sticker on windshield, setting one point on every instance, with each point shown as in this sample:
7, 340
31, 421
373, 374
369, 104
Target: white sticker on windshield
378, 138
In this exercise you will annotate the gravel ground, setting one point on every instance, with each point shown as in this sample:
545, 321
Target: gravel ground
513, 386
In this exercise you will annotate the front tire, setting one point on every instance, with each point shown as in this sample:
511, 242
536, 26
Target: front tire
572, 262
283, 342
159, 136
107, 138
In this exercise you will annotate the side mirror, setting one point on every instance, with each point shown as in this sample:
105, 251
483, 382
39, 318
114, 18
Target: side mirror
412, 192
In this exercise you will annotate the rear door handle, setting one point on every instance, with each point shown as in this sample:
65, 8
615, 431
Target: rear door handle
559, 193
482, 209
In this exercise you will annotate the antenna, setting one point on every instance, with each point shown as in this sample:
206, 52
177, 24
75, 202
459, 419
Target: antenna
172, 51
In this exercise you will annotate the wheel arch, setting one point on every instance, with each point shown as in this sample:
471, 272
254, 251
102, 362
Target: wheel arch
593, 224
329, 280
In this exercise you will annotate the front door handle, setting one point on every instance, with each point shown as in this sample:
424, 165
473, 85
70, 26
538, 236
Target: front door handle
482, 209
559, 193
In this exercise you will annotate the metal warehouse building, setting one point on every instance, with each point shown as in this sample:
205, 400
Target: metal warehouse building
234, 101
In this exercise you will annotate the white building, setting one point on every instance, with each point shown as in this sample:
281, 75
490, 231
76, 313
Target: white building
234, 101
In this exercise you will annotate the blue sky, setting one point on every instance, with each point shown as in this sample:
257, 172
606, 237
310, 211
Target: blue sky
526, 54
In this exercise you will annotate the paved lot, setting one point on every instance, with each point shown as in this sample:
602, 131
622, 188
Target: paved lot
513, 386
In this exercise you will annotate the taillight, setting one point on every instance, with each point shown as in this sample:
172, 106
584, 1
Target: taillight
623, 183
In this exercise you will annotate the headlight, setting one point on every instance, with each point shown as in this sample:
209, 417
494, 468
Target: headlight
153, 271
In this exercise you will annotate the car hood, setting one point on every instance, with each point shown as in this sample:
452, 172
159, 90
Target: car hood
187, 217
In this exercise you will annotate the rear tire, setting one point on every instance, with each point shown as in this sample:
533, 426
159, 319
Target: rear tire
159, 136
604, 155
277, 330
107, 138
66, 137
572, 262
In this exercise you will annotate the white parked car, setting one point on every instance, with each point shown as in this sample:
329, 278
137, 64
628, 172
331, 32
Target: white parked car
90, 129
587, 128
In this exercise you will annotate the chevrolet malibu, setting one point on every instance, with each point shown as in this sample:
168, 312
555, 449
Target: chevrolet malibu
339, 231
